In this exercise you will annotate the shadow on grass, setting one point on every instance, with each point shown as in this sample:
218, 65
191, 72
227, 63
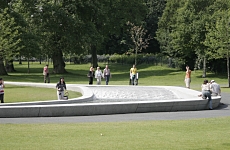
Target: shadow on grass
211, 75
15, 87
118, 71
78, 72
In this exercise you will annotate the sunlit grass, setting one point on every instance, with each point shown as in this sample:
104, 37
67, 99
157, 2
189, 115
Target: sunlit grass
147, 135
28, 94
149, 74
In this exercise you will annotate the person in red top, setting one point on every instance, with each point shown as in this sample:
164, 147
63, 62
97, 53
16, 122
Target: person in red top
2, 90
187, 79
46, 74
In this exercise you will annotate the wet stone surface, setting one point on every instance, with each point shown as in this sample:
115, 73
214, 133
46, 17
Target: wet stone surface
131, 93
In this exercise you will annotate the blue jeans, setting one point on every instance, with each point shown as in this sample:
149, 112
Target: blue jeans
133, 79
107, 79
2, 98
206, 94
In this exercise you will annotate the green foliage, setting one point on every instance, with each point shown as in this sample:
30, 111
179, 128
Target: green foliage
53, 29
155, 11
9, 36
183, 28
218, 37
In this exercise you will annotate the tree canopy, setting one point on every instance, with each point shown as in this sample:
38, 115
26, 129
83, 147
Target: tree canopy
191, 32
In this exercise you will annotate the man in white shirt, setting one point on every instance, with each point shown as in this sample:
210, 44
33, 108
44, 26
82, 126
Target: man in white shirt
98, 75
215, 88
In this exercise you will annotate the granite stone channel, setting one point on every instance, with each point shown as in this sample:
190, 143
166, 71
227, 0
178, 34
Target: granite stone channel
110, 99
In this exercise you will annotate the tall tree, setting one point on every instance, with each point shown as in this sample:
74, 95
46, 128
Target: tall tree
9, 38
218, 39
109, 22
155, 11
138, 36
60, 30
167, 27
182, 30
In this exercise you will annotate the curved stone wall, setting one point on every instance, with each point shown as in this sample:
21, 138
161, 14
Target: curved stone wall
103, 100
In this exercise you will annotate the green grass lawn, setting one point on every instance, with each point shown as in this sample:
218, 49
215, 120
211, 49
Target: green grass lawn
149, 75
212, 134
28, 94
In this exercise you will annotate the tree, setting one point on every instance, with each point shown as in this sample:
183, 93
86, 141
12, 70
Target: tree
181, 31
155, 11
218, 38
9, 39
61, 30
138, 34
166, 28
109, 28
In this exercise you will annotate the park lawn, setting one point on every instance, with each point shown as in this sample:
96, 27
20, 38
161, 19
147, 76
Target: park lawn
29, 94
212, 133
149, 75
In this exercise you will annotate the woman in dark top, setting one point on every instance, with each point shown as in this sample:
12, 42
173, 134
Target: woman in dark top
61, 87
91, 75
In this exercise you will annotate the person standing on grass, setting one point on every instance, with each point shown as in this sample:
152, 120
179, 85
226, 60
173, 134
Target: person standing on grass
46, 74
187, 79
133, 74
61, 88
90, 75
98, 75
107, 74
2, 90
206, 93
215, 88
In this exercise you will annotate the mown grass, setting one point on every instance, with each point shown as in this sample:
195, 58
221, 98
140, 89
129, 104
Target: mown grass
210, 134
204, 133
29, 94
149, 75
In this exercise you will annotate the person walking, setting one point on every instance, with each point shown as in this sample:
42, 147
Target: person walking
90, 75
46, 74
2, 86
61, 88
187, 79
206, 93
133, 74
98, 75
215, 88
107, 74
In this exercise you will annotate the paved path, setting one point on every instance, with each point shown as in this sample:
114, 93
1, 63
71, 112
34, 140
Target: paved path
221, 111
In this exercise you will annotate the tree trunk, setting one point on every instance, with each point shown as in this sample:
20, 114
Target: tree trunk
40, 60
204, 68
10, 66
228, 69
20, 60
135, 56
58, 62
2, 68
94, 56
28, 65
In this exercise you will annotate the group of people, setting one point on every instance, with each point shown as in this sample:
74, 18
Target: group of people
107, 75
99, 74
208, 89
